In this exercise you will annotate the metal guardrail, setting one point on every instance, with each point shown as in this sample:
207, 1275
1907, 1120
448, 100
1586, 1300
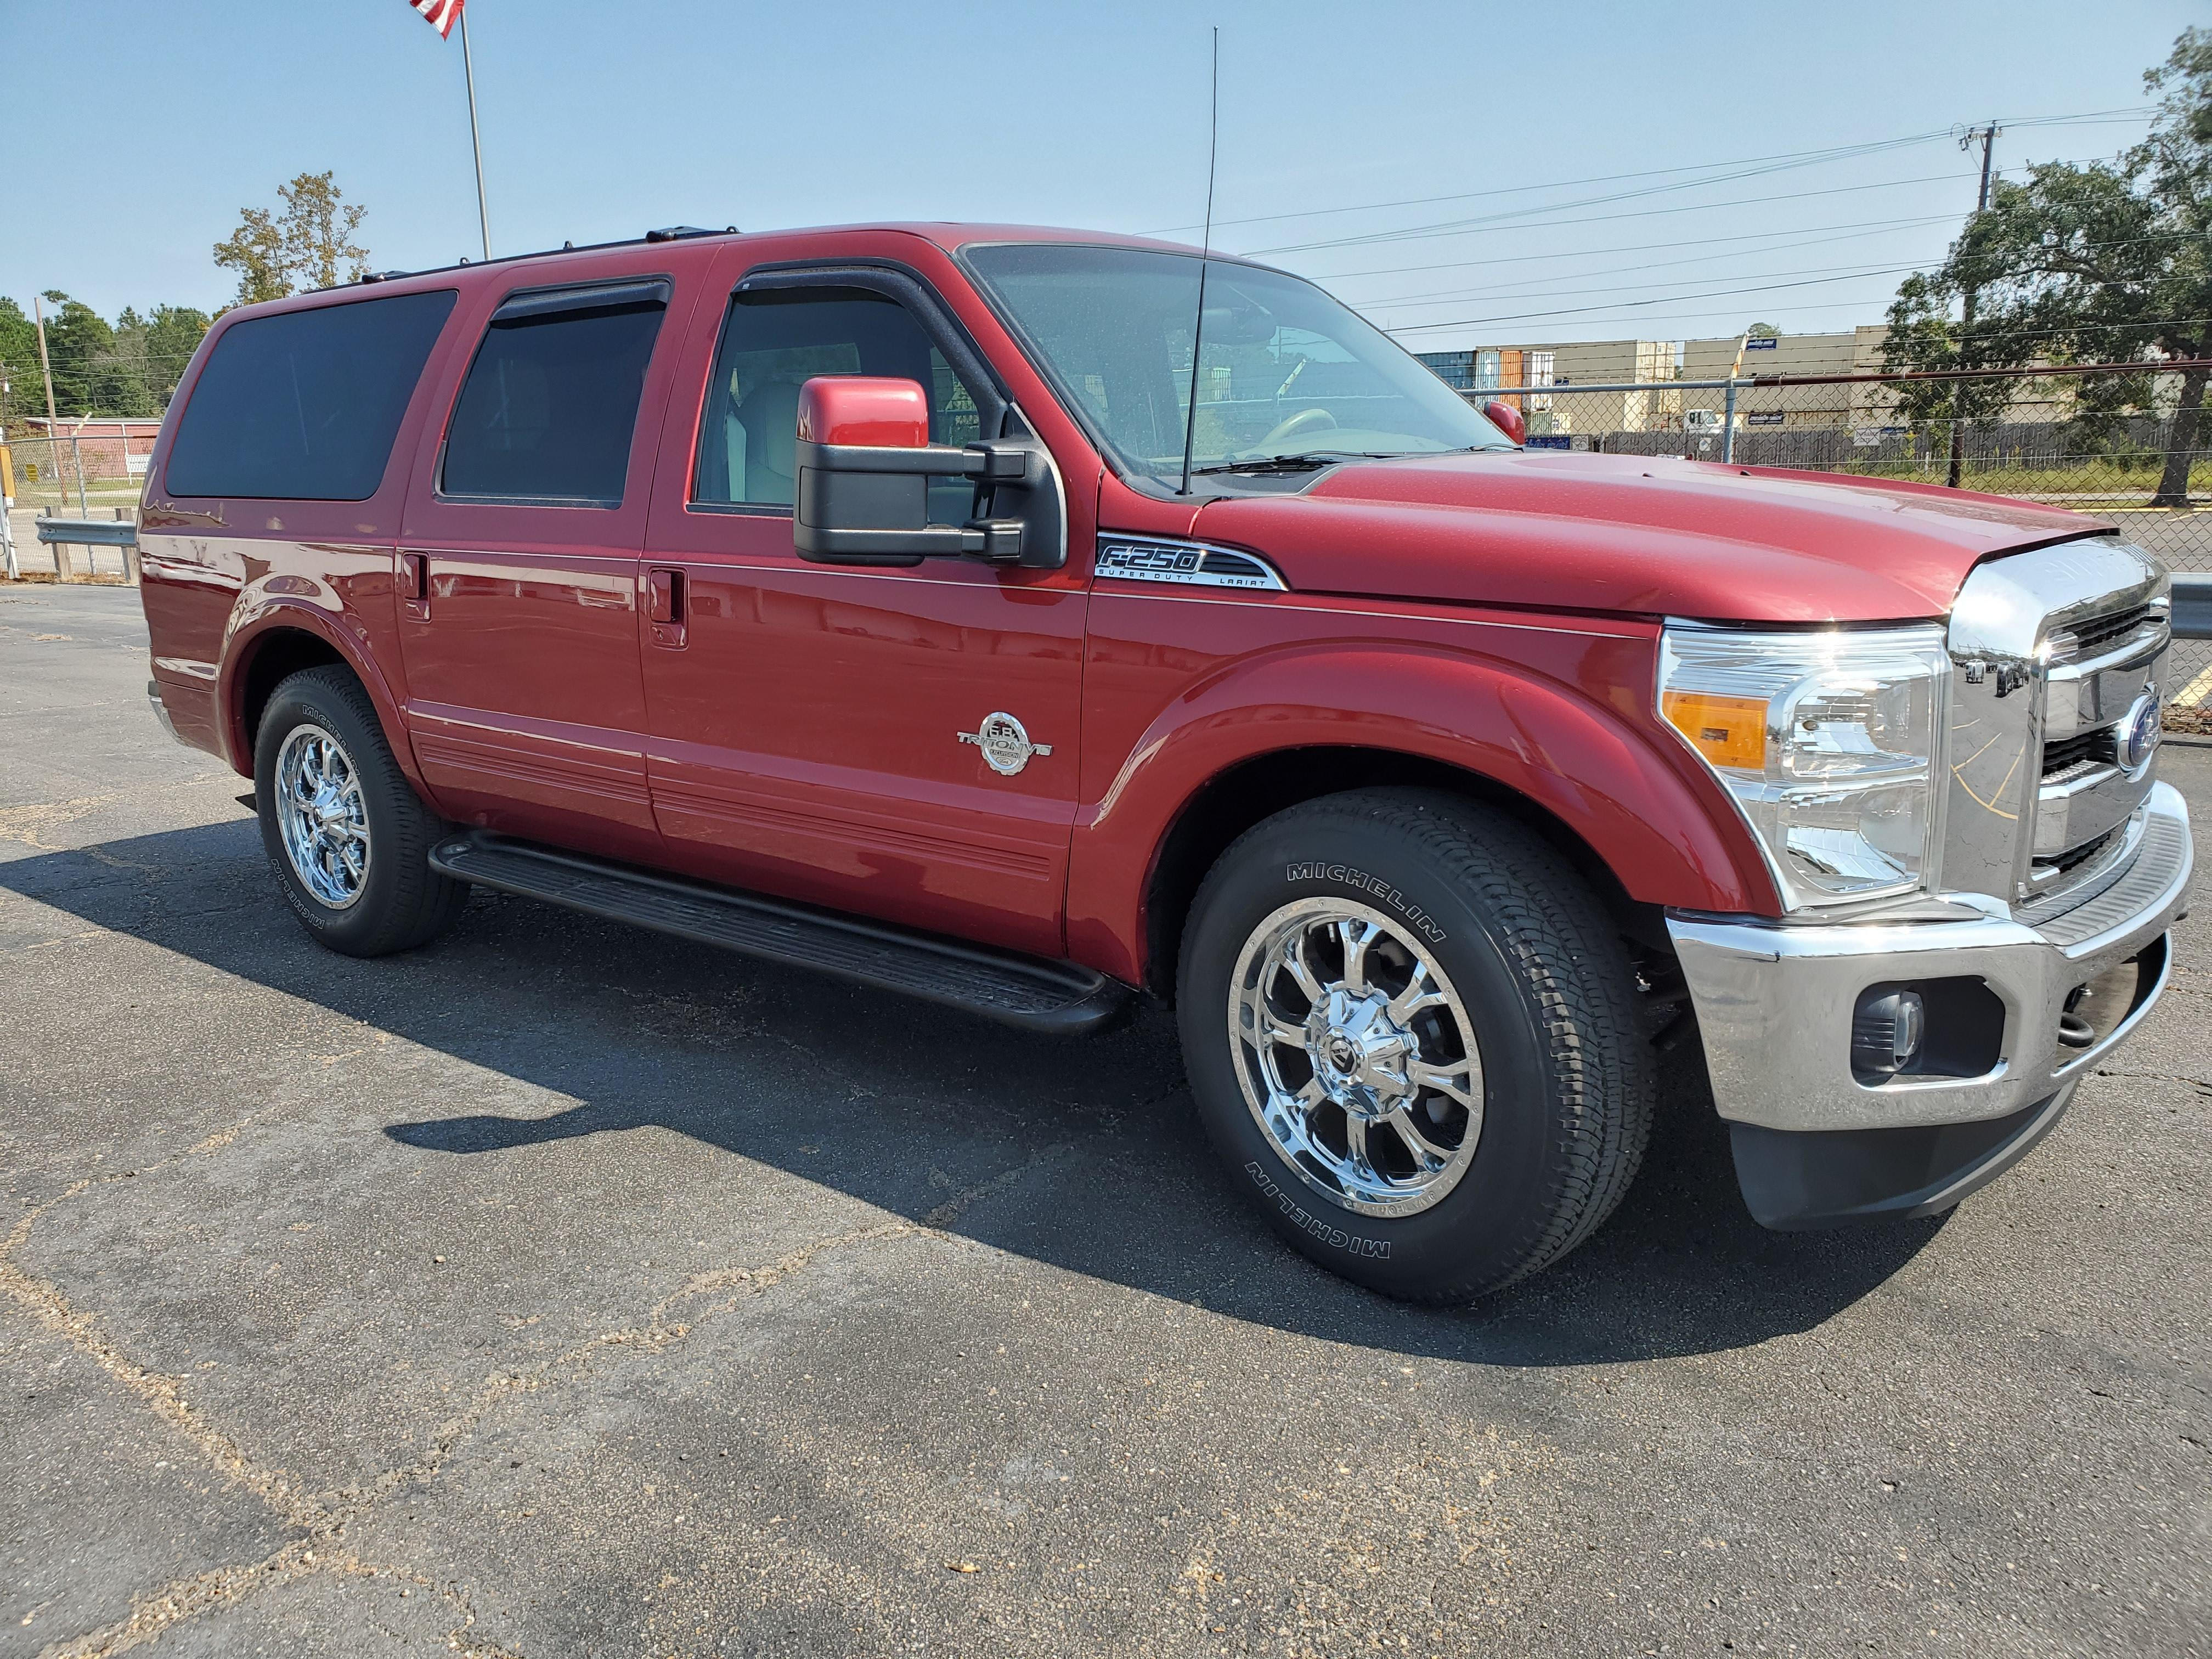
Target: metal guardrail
89, 533
2192, 606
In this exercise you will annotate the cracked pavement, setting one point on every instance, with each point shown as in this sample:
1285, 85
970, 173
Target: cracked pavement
564, 1290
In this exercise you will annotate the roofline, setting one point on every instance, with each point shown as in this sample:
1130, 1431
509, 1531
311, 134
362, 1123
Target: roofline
950, 235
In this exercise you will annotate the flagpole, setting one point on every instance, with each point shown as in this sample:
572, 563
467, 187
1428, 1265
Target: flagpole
468, 75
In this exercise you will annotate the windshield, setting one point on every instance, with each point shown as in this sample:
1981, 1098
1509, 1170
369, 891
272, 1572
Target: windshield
1285, 373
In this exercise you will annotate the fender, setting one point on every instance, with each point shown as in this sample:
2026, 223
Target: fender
276, 603
1665, 829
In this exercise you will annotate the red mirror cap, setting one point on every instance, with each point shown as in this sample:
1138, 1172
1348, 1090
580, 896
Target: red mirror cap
865, 411
1507, 419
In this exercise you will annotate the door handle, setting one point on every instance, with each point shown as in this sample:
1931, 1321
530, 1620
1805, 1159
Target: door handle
415, 585
664, 605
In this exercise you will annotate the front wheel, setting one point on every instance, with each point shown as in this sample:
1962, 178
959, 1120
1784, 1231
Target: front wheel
347, 834
1412, 1032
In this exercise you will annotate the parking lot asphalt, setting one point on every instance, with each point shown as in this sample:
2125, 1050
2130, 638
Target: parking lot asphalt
561, 1289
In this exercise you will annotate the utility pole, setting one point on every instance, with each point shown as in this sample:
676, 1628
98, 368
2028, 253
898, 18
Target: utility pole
1728, 404
1986, 136
46, 368
53, 420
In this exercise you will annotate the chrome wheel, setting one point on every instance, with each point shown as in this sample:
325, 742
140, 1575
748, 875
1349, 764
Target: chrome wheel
322, 817
1357, 1056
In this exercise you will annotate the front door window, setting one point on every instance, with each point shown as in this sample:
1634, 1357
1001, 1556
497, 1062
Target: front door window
774, 342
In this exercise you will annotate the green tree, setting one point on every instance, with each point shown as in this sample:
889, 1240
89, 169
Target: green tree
19, 367
123, 376
77, 338
256, 252
140, 373
1924, 337
129, 368
1762, 331
2106, 262
307, 243
173, 334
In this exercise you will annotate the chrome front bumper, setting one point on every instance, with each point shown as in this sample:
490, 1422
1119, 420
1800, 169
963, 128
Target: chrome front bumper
1774, 1000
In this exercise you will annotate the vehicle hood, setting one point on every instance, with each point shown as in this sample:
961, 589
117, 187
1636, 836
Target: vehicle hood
1649, 536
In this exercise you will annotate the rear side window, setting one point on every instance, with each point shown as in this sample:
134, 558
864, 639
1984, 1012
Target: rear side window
551, 403
303, 406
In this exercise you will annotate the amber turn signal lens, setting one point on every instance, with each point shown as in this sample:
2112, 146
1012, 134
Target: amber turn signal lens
1726, 730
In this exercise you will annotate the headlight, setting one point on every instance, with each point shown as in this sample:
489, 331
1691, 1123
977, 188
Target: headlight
1829, 742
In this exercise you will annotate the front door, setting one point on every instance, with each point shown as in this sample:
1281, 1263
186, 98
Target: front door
518, 571
897, 742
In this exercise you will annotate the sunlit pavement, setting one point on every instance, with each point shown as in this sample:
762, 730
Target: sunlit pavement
563, 1290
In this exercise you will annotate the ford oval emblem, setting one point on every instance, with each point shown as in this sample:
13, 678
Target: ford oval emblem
2138, 733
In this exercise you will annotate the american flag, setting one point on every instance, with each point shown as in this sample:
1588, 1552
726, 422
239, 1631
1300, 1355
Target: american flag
440, 13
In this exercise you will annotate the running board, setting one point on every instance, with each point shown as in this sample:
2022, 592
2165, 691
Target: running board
1024, 991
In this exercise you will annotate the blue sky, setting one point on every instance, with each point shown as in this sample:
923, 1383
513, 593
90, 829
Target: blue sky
603, 119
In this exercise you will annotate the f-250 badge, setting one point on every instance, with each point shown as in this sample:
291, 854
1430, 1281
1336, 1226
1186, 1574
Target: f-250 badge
1004, 742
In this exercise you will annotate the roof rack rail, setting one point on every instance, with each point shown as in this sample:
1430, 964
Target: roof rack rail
670, 234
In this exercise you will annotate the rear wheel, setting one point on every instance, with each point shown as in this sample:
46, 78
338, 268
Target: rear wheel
347, 834
1411, 1029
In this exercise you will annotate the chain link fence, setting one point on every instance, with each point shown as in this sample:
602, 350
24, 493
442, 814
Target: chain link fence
2113, 442
90, 474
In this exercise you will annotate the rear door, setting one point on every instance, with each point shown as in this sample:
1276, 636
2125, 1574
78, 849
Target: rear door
519, 561
815, 729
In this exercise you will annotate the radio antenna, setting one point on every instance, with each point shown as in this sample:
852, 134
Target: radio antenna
1205, 257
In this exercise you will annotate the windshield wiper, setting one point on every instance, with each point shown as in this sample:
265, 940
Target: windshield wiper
1305, 463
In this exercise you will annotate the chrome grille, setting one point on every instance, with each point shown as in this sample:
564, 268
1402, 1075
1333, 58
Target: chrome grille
2100, 666
2052, 650
2082, 749
2074, 857
2085, 639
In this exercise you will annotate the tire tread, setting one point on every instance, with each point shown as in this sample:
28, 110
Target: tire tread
420, 904
1563, 944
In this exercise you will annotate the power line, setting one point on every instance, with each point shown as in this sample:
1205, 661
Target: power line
1452, 297
1622, 307
1829, 273
1695, 241
1786, 158
1462, 226
1983, 334
1792, 158
1843, 274
1842, 234
1459, 227
1664, 265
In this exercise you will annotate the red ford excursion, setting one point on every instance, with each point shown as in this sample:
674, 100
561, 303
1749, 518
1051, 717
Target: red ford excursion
1032, 621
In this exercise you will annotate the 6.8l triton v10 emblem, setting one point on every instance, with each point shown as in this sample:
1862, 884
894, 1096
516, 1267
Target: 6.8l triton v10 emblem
1004, 742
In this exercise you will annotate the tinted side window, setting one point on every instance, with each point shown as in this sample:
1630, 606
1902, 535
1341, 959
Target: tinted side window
772, 344
551, 402
304, 405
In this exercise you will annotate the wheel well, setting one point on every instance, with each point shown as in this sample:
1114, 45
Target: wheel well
278, 656
1258, 788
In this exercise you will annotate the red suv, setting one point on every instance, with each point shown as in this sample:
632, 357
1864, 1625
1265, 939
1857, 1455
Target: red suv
1031, 621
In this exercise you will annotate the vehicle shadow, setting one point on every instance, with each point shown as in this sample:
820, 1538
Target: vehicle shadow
1106, 1172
